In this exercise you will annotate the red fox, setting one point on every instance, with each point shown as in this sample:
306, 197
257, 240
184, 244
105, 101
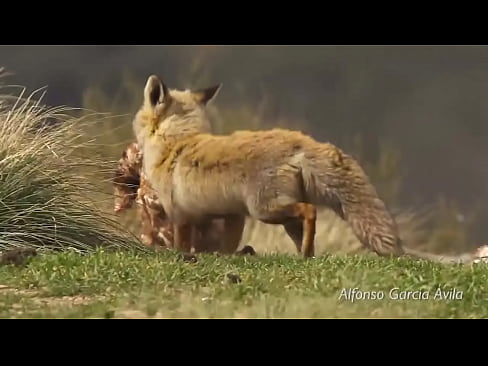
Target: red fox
276, 176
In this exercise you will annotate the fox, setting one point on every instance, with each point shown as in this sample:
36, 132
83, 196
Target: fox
276, 176
132, 186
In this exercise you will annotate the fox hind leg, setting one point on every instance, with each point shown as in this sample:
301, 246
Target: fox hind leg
292, 217
308, 214
302, 227
294, 229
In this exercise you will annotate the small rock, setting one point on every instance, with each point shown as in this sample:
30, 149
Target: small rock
188, 258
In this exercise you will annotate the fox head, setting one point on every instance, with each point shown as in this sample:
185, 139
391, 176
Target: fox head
172, 112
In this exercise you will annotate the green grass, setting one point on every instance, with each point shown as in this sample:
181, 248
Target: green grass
134, 284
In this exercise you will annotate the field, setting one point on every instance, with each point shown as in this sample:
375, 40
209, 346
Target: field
56, 198
127, 284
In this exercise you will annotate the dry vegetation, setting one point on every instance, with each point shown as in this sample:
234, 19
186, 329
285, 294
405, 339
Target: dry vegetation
47, 178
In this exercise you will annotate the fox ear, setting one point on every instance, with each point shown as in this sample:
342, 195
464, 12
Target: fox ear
204, 96
155, 91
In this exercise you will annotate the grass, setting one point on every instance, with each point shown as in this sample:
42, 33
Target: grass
129, 284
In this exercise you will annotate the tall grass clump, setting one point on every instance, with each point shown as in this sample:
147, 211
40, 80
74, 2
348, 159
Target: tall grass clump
45, 200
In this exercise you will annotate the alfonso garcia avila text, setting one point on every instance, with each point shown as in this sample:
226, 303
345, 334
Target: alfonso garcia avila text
439, 294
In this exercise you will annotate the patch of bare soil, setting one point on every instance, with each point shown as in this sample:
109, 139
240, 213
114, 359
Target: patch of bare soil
131, 314
54, 301
67, 300
16, 291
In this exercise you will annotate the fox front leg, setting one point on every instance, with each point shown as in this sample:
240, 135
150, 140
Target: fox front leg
233, 230
183, 237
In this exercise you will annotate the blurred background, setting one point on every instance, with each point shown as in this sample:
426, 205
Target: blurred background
414, 116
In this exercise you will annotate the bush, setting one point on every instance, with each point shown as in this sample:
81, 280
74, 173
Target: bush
46, 201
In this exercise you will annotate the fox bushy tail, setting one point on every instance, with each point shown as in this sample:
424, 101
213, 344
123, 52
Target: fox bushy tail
335, 179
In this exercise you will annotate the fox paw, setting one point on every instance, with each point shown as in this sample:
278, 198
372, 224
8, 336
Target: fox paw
247, 250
